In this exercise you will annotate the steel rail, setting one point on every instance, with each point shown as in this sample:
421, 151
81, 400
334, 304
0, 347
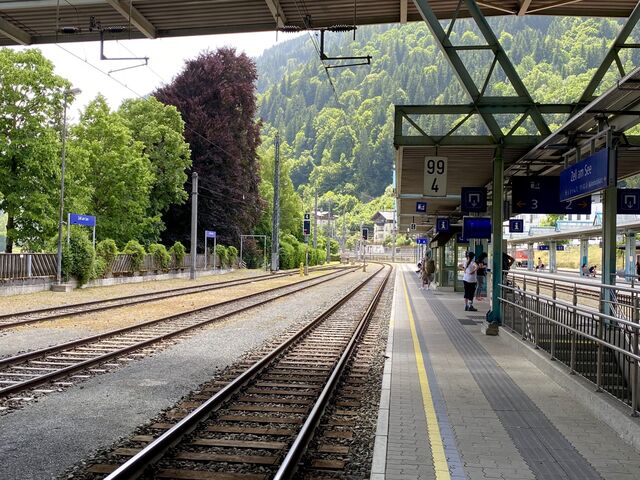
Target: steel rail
296, 451
136, 466
161, 294
12, 361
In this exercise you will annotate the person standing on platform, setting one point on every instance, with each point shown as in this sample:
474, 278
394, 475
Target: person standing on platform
470, 281
638, 268
430, 270
482, 276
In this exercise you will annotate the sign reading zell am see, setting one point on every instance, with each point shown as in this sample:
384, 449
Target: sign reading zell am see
588, 176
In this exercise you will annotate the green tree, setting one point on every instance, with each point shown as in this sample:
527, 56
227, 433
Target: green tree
161, 130
30, 110
115, 173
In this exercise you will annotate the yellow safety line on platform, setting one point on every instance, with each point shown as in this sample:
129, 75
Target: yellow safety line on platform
433, 429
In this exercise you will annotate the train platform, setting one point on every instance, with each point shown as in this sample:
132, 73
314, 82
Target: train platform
457, 404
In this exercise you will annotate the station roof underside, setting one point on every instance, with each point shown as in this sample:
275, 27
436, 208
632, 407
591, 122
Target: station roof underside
594, 232
37, 21
470, 162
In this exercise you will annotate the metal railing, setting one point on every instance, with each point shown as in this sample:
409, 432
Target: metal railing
603, 348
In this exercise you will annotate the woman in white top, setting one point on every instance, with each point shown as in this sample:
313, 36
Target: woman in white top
470, 280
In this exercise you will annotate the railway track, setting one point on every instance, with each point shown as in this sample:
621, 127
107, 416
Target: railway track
32, 369
16, 319
258, 423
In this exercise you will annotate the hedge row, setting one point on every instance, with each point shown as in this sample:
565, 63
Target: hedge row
293, 253
81, 261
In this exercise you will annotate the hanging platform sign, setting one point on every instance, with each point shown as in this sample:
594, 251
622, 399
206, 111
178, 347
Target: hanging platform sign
443, 225
435, 176
516, 225
473, 199
542, 195
588, 176
629, 201
421, 241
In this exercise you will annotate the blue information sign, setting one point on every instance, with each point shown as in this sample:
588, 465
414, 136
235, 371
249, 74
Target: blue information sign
589, 175
543, 247
461, 239
540, 195
473, 199
443, 225
421, 207
629, 200
86, 220
516, 225
421, 241
210, 234
560, 248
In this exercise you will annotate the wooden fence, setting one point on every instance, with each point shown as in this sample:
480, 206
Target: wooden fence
29, 265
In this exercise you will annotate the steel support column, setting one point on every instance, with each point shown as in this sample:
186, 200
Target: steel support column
553, 264
630, 255
609, 223
584, 254
496, 225
531, 259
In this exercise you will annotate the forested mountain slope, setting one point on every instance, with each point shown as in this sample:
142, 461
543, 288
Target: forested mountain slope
342, 142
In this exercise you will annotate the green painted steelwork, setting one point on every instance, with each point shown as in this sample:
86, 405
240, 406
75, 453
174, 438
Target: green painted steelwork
612, 56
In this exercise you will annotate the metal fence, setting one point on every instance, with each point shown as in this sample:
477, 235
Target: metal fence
602, 347
14, 266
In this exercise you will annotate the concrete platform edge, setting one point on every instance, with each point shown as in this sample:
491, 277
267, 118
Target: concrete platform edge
379, 462
604, 407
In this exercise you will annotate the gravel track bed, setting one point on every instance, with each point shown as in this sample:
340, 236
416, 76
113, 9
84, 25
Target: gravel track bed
44, 334
43, 440
188, 403
17, 303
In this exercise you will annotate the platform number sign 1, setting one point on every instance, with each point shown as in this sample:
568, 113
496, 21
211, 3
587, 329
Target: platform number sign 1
435, 176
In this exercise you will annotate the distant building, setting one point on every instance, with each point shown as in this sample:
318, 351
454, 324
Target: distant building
382, 225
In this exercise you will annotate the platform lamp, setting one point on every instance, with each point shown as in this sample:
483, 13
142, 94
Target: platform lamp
66, 94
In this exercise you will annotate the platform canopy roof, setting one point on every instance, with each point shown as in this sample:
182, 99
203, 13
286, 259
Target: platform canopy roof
29, 22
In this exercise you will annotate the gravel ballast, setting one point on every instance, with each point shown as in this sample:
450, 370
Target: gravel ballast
45, 334
43, 440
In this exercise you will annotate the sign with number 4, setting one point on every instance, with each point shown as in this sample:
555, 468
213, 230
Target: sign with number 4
435, 176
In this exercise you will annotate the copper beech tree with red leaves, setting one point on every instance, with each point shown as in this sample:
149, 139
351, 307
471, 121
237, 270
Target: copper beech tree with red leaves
215, 93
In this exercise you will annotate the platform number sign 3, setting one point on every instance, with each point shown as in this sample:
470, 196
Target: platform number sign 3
435, 176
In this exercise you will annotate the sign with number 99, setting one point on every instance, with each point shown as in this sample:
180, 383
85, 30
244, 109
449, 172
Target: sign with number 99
435, 176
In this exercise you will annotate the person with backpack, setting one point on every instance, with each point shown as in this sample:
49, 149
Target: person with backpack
470, 281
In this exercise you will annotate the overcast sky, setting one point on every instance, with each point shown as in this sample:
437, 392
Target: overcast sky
166, 59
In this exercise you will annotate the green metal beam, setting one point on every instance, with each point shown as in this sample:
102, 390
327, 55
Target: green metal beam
507, 66
521, 141
478, 98
499, 107
612, 56
459, 69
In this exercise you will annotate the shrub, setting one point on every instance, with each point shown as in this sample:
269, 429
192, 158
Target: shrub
161, 257
178, 251
106, 252
100, 268
78, 258
232, 255
137, 253
221, 251
321, 256
287, 254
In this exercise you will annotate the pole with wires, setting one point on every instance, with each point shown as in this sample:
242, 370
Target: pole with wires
275, 228
194, 224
